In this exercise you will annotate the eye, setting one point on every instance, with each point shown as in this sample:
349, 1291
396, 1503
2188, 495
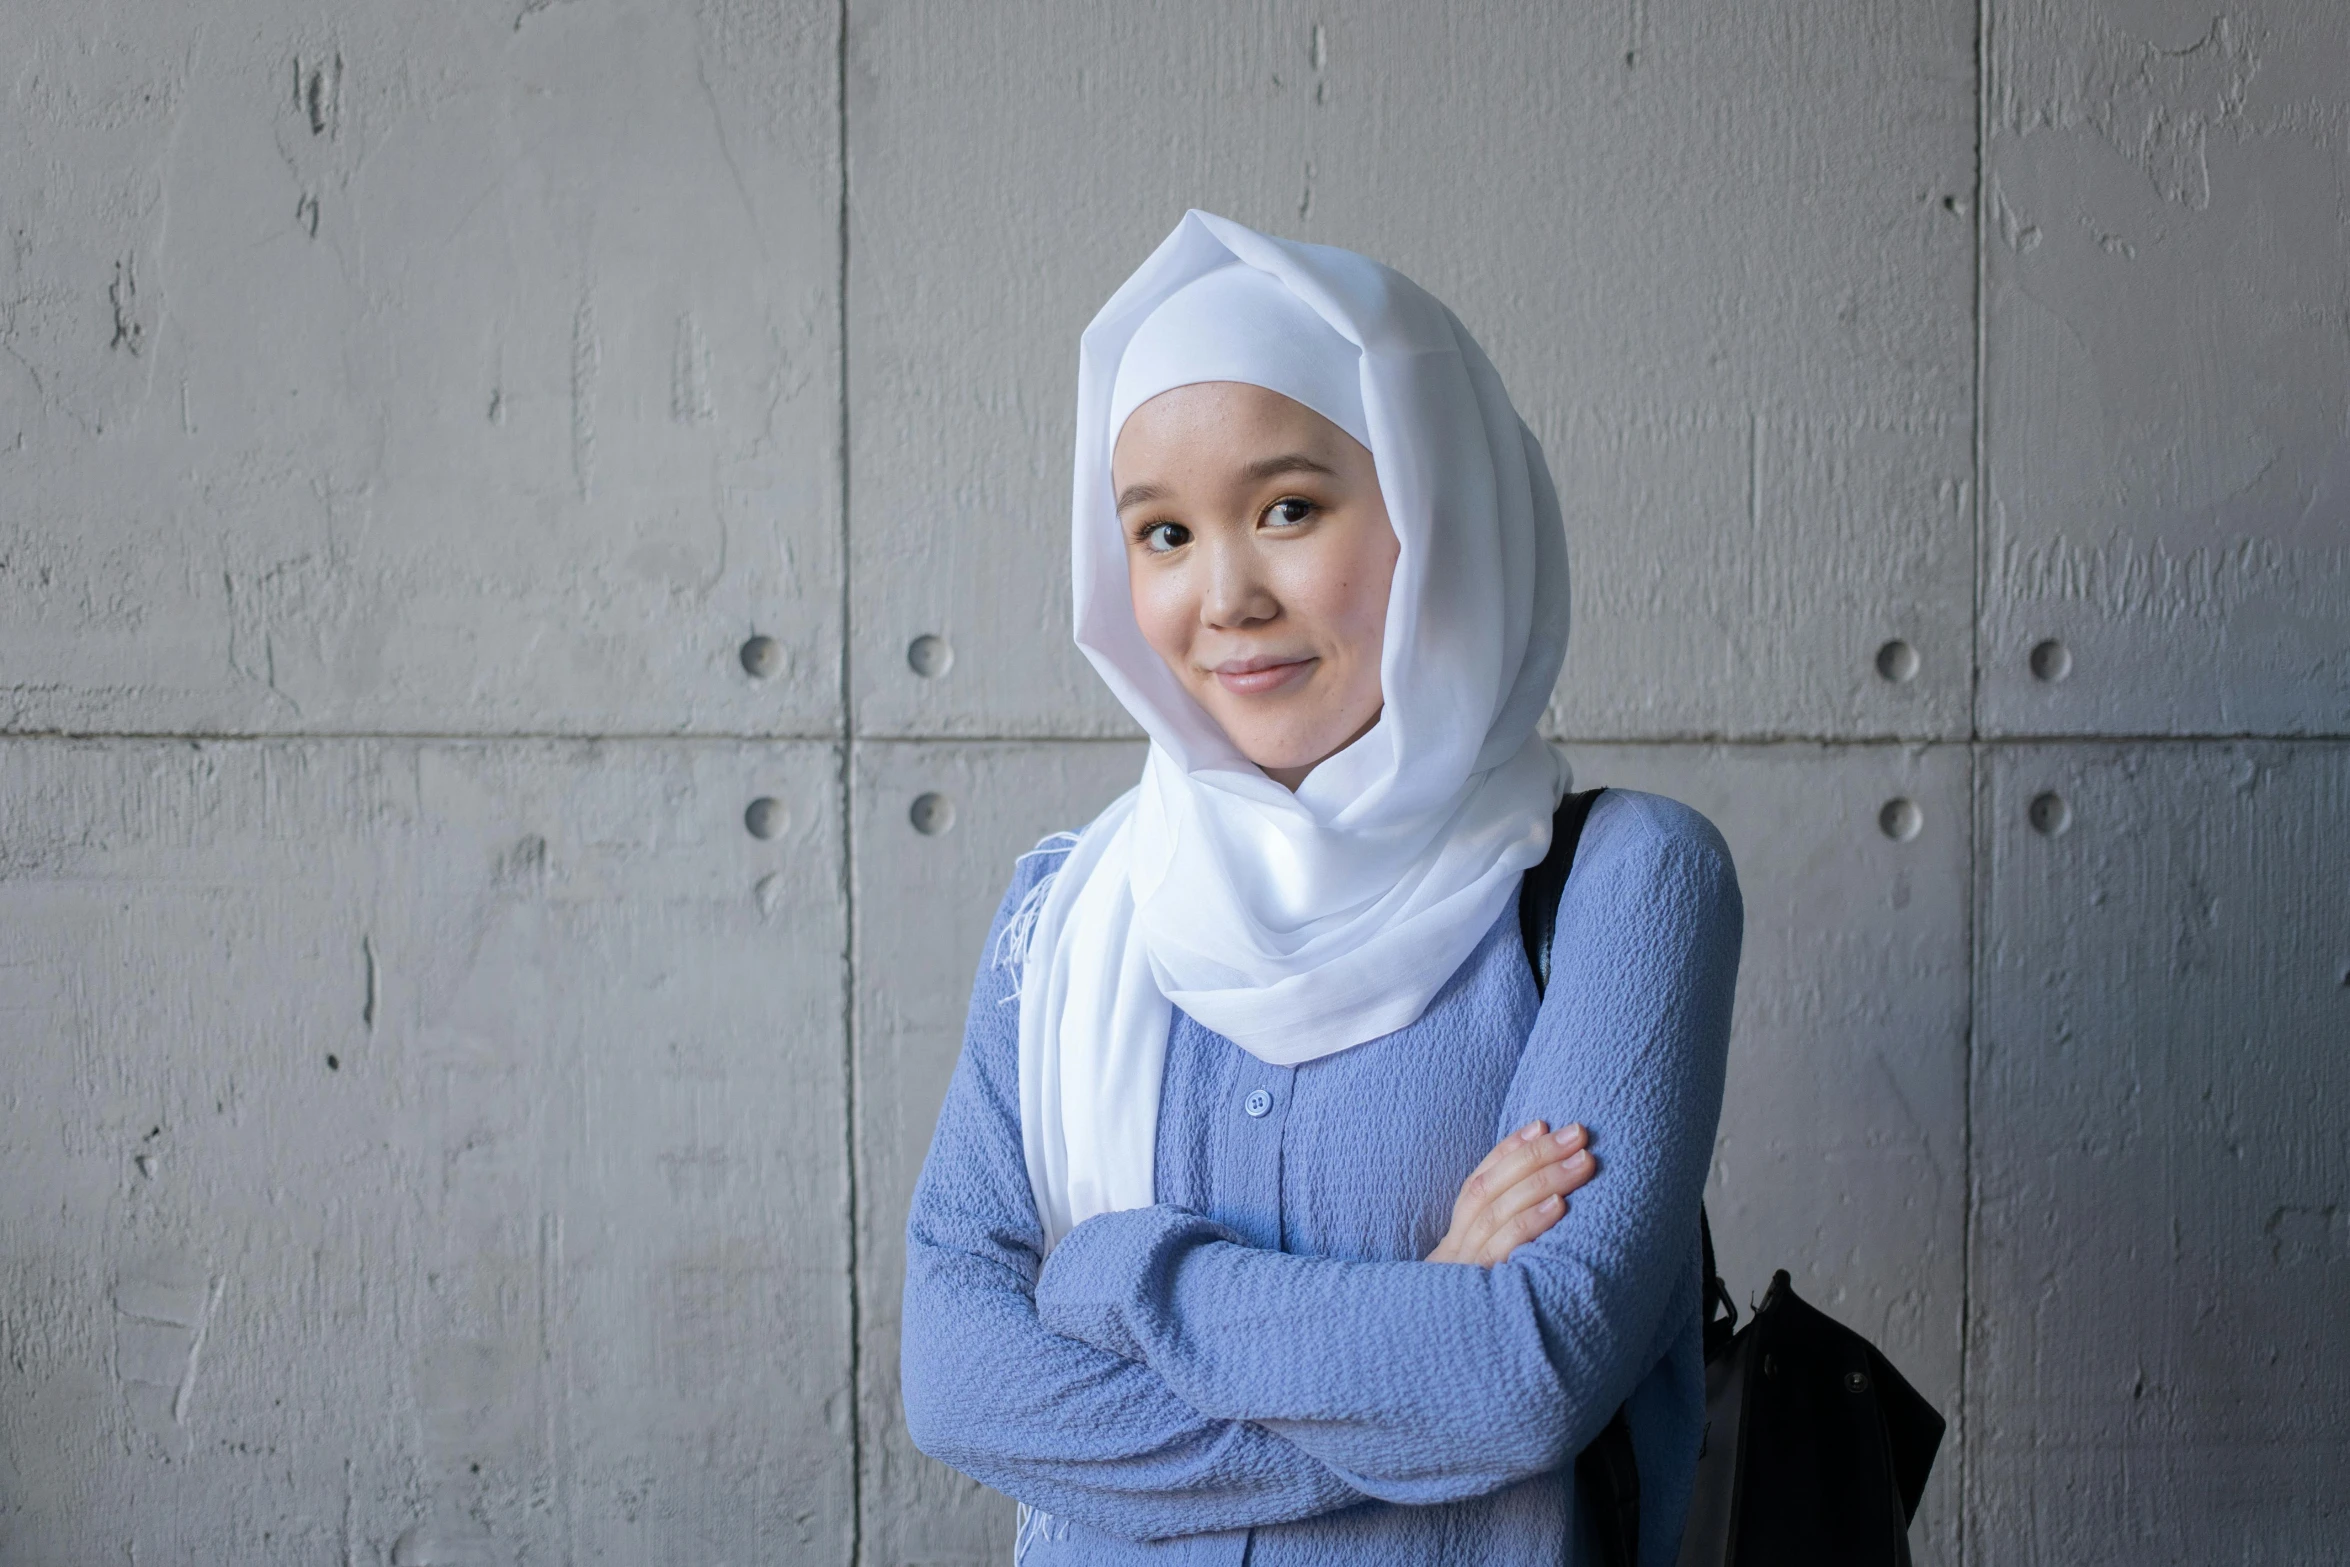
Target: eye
1160, 537
1289, 511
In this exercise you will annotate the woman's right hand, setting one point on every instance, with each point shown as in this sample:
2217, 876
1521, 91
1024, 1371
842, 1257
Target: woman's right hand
1518, 1193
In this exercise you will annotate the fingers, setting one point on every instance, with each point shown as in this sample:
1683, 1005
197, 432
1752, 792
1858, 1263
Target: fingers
1516, 1157
1525, 1136
1516, 1193
1480, 1181
1539, 1187
1529, 1225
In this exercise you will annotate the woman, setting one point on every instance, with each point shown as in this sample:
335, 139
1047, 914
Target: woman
1193, 1271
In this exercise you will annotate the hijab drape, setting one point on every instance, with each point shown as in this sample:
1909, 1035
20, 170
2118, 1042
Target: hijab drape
1296, 925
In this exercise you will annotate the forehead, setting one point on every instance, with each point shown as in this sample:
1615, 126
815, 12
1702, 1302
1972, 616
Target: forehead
1215, 425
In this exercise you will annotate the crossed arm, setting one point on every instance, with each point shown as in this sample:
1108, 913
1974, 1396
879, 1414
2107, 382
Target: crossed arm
1156, 1377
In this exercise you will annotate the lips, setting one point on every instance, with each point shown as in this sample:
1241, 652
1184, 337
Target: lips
1263, 674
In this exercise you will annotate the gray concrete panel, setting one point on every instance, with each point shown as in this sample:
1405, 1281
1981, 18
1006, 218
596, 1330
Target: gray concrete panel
422, 1154
2166, 366
924, 902
1757, 390
419, 369
1842, 1155
2162, 1210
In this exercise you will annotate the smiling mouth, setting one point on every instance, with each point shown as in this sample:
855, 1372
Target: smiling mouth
1260, 676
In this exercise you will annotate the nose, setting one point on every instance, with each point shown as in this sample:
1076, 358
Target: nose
1237, 594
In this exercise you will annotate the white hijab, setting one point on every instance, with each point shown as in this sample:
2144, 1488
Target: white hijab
1296, 925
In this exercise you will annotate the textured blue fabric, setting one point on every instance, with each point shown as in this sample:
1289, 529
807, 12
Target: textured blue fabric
1258, 1366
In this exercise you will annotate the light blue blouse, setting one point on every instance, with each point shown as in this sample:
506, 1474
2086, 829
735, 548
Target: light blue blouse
1258, 1367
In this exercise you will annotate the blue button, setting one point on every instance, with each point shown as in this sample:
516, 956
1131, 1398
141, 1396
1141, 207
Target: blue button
1258, 1103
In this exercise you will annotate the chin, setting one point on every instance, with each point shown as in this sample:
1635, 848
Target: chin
1276, 754
1258, 731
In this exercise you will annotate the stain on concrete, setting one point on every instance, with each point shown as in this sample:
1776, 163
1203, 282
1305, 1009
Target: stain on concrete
318, 93
162, 1315
587, 358
371, 995
130, 331
689, 374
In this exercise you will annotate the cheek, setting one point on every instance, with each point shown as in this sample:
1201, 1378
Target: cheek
1163, 609
1344, 591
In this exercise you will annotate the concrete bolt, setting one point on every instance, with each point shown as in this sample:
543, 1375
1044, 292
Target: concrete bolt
929, 656
932, 814
2049, 814
1897, 661
2051, 661
766, 817
1900, 820
762, 657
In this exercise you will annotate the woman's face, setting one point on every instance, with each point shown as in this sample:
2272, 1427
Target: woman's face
1260, 555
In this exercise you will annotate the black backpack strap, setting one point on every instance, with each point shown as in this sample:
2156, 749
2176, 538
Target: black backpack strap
1715, 1308
1538, 895
1607, 1478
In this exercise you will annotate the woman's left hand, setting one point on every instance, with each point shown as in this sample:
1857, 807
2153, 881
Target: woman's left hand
1517, 1194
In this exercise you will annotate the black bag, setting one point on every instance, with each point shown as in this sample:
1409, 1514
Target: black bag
1815, 1449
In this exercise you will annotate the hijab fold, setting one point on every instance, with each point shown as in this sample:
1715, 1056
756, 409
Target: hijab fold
1296, 925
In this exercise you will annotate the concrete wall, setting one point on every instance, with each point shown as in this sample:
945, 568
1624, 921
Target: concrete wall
455, 461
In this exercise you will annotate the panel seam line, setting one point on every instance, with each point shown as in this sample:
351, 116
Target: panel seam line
850, 971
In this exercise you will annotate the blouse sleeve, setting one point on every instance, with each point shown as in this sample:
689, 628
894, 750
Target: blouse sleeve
1056, 1423
1425, 1382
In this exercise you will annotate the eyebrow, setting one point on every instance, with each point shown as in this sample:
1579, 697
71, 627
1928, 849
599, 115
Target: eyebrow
1287, 462
1256, 473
